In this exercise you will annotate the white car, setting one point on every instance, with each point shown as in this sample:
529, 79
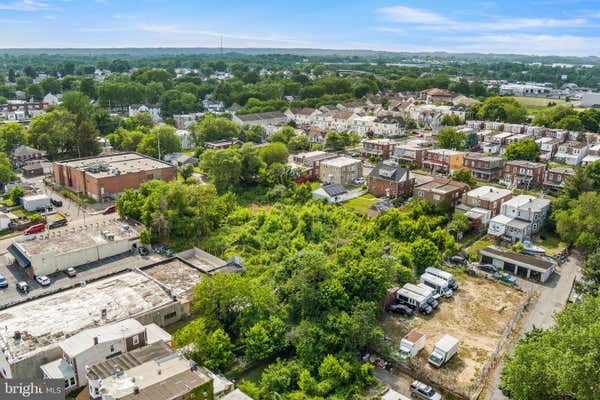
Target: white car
43, 280
422, 391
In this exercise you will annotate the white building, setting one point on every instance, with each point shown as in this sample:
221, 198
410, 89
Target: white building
186, 139
154, 111
571, 152
590, 100
36, 202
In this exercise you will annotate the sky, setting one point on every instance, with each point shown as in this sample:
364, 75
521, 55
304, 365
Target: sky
539, 27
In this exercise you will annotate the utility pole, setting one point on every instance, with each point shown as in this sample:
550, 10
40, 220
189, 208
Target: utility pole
158, 141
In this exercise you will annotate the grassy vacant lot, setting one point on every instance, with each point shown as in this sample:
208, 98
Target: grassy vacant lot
361, 204
537, 103
477, 315
480, 244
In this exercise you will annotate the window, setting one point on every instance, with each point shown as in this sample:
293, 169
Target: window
72, 381
171, 315
67, 383
420, 194
112, 348
136, 340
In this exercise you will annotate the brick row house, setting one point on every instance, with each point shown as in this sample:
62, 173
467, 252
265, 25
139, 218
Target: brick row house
485, 168
389, 180
526, 174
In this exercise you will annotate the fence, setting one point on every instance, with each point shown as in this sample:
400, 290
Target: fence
479, 383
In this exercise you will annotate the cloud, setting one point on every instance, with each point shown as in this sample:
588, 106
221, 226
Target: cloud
412, 15
540, 44
24, 5
177, 30
428, 20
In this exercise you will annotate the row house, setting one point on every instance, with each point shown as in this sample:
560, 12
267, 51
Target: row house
527, 174
592, 155
389, 180
514, 128
370, 125
499, 138
536, 131
270, 121
316, 135
515, 138
136, 109
571, 152
555, 178
485, 168
381, 148
559, 134
302, 116
95, 345
491, 148
443, 160
477, 125
494, 126
487, 197
355, 107
405, 154
548, 147
338, 121
441, 190
520, 217
183, 121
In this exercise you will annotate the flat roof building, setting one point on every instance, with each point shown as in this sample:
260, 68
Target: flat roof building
518, 264
46, 253
106, 176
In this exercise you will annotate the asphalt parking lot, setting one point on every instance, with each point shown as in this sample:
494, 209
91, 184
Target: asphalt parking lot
97, 269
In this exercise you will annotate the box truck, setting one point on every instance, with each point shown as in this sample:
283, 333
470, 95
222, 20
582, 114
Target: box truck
411, 344
444, 350
427, 292
447, 276
437, 284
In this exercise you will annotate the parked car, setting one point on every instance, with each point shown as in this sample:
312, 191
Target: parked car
109, 210
458, 260
359, 181
71, 272
400, 309
3, 282
35, 229
22, 287
56, 202
506, 278
57, 224
422, 391
43, 280
488, 268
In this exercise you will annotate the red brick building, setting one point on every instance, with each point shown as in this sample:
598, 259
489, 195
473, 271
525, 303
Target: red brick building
485, 168
441, 190
527, 174
105, 177
382, 148
387, 179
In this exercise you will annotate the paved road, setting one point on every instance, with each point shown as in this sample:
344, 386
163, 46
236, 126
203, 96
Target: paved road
553, 297
396, 380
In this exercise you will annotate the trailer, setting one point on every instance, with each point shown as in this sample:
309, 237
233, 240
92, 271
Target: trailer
36, 202
447, 276
430, 295
414, 300
437, 284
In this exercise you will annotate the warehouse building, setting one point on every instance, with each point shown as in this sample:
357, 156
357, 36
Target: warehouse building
55, 251
523, 265
104, 177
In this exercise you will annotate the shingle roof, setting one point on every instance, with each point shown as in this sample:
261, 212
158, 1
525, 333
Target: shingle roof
334, 190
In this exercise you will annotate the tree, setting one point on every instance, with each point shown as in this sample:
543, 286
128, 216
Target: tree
449, 138
264, 339
591, 272
176, 102
504, 109
211, 349
55, 132
425, 254
284, 135
571, 123
525, 149
87, 86
274, 153
579, 224
464, 175
459, 224
298, 143
186, 171
6, 172
450, 120
223, 167
212, 128
251, 163
16, 193
560, 362
160, 141
12, 134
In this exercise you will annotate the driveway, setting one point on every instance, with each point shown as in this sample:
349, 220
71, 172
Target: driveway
553, 297
395, 379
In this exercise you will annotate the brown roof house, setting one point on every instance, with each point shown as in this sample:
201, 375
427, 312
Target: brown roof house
389, 180
440, 190
436, 95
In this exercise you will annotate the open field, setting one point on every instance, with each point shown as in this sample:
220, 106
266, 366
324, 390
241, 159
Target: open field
537, 103
477, 315
361, 204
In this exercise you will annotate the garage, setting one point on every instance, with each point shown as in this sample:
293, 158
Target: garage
521, 265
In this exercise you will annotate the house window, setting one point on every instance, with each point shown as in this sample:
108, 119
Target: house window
72, 381
420, 194
67, 383
136, 340
171, 315
112, 348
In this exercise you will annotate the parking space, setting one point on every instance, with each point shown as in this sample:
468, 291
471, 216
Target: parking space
86, 272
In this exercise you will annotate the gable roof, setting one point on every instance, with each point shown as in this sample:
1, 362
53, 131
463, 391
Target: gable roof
334, 190
389, 172
26, 151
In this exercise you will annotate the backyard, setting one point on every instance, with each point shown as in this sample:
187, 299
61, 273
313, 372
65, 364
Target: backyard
361, 204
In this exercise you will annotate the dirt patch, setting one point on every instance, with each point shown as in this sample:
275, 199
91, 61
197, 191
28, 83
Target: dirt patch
477, 315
